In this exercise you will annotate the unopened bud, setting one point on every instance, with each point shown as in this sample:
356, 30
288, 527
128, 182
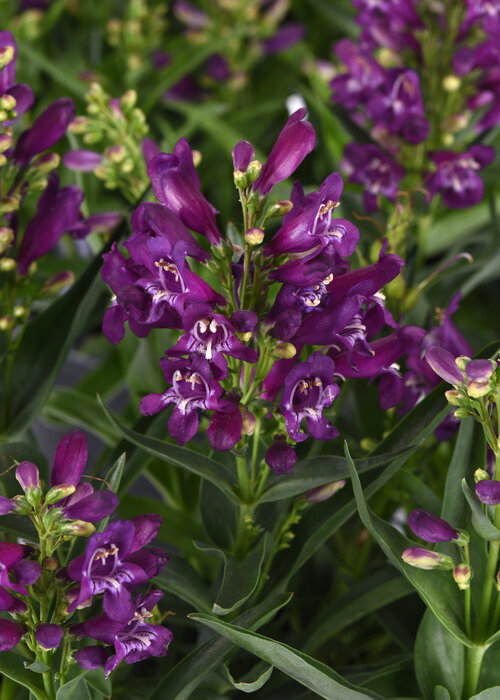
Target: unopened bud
6, 56
92, 137
9, 204
127, 166
3, 160
8, 102
322, 493
196, 157
477, 389
462, 539
461, 413
447, 139
279, 208
6, 238
50, 564
7, 264
254, 236
249, 421
453, 397
79, 125
426, 559
481, 475
240, 179
128, 100
284, 351
81, 528
6, 323
253, 170
19, 311
46, 163
388, 58
116, 153
5, 142
461, 362
58, 282
462, 575
57, 493
244, 337
451, 83
32, 268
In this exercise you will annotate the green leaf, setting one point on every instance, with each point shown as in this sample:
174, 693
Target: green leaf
240, 577
180, 579
489, 694
12, 666
43, 348
218, 515
250, 686
439, 659
181, 681
454, 506
69, 81
316, 471
72, 407
97, 681
375, 592
311, 673
114, 475
437, 588
183, 457
482, 524
75, 689
441, 693
36, 666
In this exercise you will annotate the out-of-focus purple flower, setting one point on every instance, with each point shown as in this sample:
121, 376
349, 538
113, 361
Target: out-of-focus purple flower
309, 388
443, 364
457, 179
192, 388
82, 160
488, 492
149, 150
6, 505
28, 476
287, 35
134, 641
11, 554
48, 636
190, 15
431, 528
485, 12
57, 211
10, 634
176, 184
21, 92
27, 571
47, 130
218, 68
363, 76
108, 567
280, 457
390, 23
369, 166
295, 141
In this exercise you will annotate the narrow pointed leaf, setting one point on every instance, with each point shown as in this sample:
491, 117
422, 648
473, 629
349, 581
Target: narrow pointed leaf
180, 579
249, 686
482, 524
12, 666
439, 659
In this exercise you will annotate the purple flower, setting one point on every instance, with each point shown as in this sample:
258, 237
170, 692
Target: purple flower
287, 35
11, 554
295, 141
134, 639
280, 457
309, 388
57, 211
48, 636
176, 184
192, 388
443, 364
6, 505
369, 166
431, 528
488, 492
426, 559
390, 23
10, 634
70, 459
212, 336
243, 154
456, 178
21, 92
28, 476
109, 567
82, 160
364, 75
225, 426
47, 130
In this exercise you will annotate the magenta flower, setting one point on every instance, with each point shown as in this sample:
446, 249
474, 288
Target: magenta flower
47, 130
488, 492
369, 166
48, 636
280, 457
10, 634
457, 179
21, 92
431, 528
443, 364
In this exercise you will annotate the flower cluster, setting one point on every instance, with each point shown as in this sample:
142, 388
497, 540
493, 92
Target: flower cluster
291, 320
412, 82
41, 595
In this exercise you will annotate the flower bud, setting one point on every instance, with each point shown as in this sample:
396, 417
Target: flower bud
249, 421
451, 83
279, 208
254, 236
244, 337
9, 204
488, 491
79, 125
284, 351
240, 179
6, 323
462, 575
81, 528
128, 100
426, 559
253, 170
57, 493
116, 153
48, 636
50, 564
462, 361
6, 55
5, 142
46, 163
8, 102
461, 413
28, 476
6, 238
58, 282
453, 397
481, 475
478, 389
431, 528
19, 311
322, 493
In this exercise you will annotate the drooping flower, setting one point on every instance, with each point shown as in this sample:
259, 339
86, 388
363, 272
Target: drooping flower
431, 528
280, 457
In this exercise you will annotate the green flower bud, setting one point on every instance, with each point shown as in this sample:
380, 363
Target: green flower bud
81, 528
79, 125
322, 493
6, 56
19, 311
254, 236
462, 575
47, 163
477, 389
461, 413
240, 179
57, 493
58, 282
253, 171
7, 264
116, 153
6, 238
279, 208
284, 351
481, 475
451, 83
249, 421
8, 102
426, 559
453, 396
461, 362
9, 204
50, 564
128, 100
5, 142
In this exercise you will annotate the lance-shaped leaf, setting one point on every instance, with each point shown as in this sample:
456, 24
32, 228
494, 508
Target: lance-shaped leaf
439, 659
482, 524
240, 577
12, 666
180, 579
313, 674
183, 457
437, 588
260, 674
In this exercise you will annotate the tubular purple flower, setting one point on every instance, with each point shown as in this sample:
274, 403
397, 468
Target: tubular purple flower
243, 154
369, 166
22, 93
93, 657
295, 141
82, 161
488, 492
426, 559
10, 634
27, 572
70, 459
91, 508
6, 505
287, 35
443, 364
28, 476
48, 636
225, 426
47, 130
431, 528
456, 177
280, 457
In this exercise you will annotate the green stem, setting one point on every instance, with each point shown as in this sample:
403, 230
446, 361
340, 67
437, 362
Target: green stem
472, 668
243, 478
255, 450
467, 599
489, 579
